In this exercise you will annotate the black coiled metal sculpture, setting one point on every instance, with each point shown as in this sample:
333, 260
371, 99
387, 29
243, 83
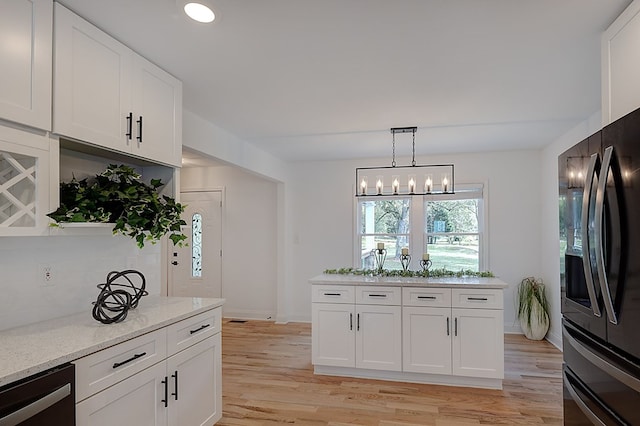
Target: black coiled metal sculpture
117, 297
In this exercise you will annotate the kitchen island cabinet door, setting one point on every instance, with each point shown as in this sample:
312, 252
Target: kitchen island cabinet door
25, 86
426, 340
379, 337
332, 334
478, 343
195, 384
137, 400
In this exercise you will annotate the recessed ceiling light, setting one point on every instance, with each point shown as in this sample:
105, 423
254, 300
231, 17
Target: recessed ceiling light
199, 12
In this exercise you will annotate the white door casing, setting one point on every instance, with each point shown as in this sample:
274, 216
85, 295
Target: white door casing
182, 282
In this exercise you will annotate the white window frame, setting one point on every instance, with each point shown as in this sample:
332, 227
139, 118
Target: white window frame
417, 231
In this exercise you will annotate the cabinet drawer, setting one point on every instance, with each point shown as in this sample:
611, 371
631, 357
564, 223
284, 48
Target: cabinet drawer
192, 330
379, 295
436, 297
477, 298
333, 294
109, 366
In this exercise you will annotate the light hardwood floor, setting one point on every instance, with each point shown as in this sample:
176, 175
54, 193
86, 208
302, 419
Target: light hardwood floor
268, 379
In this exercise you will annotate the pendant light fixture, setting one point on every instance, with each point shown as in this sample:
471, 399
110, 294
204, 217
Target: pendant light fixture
405, 180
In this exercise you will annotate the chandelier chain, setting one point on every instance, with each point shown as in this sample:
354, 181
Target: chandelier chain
413, 149
393, 149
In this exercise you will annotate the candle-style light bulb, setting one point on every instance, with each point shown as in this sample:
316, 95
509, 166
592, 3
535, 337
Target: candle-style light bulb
379, 186
412, 185
395, 184
445, 184
363, 186
428, 184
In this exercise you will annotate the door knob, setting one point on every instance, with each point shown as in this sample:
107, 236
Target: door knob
175, 262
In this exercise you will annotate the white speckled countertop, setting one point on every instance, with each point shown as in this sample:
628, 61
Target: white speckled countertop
37, 347
452, 282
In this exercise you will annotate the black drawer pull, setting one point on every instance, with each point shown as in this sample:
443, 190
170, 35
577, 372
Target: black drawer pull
175, 386
202, 327
377, 295
333, 294
133, 358
427, 297
484, 299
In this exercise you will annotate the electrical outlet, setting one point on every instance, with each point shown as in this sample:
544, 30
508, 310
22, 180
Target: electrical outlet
46, 273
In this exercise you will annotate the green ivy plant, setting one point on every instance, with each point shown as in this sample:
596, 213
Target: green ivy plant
119, 196
432, 273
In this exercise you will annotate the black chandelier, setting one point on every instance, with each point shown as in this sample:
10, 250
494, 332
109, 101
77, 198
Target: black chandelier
405, 180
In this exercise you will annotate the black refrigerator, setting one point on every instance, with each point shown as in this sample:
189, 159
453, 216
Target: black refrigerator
599, 189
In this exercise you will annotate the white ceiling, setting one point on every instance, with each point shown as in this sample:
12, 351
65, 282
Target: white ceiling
326, 79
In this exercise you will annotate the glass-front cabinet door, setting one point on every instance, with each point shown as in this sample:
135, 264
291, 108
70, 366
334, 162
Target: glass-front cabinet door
24, 183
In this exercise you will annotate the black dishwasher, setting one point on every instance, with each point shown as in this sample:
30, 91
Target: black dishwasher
47, 398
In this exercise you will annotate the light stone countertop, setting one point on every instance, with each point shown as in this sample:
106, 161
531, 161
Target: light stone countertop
37, 347
450, 282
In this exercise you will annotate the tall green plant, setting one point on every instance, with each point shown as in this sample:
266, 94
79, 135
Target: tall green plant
119, 196
530, 290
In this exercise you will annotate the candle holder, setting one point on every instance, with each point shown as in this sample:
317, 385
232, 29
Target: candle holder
381, 256
405, 259
426, 264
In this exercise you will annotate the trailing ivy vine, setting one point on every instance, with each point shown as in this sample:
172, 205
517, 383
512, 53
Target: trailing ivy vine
119, 196
432, 273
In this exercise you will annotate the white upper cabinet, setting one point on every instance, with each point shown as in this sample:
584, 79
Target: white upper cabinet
25, 67
25, 182
107, 95
621, 65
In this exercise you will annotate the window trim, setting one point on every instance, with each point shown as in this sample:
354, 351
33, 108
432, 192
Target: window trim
417, 234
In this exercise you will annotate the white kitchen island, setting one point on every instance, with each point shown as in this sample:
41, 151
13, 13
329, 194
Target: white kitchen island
424, 330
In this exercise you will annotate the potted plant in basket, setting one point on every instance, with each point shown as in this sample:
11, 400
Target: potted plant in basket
533, 308
119, 196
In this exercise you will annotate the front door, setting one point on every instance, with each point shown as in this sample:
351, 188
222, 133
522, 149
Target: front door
195, 270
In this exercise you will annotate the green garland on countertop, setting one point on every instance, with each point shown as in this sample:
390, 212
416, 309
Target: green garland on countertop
435, 273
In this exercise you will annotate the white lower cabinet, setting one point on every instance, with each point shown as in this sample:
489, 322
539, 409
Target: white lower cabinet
350, 334
418, 334
134, 401
183, 389
455, 339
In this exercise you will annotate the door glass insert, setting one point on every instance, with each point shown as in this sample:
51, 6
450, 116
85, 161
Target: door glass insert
17, 190
196, 245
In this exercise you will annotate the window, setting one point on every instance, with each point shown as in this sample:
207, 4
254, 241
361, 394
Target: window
448, 227
196, 245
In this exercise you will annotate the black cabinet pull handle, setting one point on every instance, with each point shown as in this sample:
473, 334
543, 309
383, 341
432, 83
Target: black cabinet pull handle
358, 323
377, 295
332, 294
427, 297
139, 137
165, 382
448, 333
129, 125
202, 327
174, 263
484, 299
175, 385
126, 361
456, 326
350, 321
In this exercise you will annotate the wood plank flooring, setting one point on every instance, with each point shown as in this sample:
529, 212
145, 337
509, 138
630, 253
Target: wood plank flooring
268, 379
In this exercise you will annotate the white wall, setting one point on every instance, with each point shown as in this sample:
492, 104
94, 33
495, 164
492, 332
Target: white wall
550, 243
78, 263
323, 204
250, 239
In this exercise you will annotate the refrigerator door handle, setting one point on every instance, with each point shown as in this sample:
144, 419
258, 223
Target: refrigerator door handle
580, 403
584, 225
600, 362
599, 219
